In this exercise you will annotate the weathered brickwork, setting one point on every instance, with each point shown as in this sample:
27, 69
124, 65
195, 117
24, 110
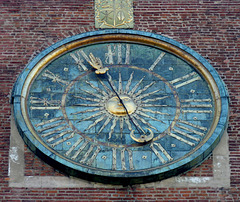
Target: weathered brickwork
210, 27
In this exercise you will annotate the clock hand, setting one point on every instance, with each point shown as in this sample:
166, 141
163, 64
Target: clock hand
96, 63
143, 137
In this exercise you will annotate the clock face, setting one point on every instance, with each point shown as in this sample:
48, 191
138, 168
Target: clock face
121, 105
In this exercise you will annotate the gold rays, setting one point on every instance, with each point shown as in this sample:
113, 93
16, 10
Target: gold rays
138, 101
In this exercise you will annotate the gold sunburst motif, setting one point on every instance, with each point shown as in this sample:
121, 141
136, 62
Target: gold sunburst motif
103, 107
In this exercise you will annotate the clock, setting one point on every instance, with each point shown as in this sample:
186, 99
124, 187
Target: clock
120, 106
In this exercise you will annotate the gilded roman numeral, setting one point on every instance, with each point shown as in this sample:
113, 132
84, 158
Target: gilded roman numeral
125, 154
196, 106
90, 154
80, 149
114, 158
159, 58
52, 126
116, 50
57, 129
130, 159
187, 132
44, 104
55, 78
78, 57
184, 80
61, 140
181, 139
193, 125
159, 151
74, 146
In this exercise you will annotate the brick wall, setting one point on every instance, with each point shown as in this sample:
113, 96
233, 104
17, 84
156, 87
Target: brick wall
210, 27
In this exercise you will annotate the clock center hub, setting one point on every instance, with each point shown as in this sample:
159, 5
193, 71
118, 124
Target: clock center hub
115, 107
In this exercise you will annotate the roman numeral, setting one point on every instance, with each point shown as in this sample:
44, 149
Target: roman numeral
78, 59
117, 51
181, 139
159, 151
125, 154
185, 130
62, 139
114, 158
52, 126
90, 154
80, 149
56, 128
74, 146
159, 58
196, 106
44, 104
45, 108
55, 78
184, 80
123, 159
193, 125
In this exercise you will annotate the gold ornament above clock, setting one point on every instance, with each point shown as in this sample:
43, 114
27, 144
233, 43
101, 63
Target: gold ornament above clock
114, 14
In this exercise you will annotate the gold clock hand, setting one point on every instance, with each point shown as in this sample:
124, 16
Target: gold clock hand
143, 138
121, 102
96, 63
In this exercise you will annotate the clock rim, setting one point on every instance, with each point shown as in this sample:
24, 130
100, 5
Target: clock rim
184, 163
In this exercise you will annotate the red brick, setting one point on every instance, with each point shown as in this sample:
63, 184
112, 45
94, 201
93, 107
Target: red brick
210, 27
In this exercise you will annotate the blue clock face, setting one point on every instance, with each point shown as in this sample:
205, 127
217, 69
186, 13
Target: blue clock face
125, 106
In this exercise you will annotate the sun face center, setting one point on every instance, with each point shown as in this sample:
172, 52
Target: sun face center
115, 107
